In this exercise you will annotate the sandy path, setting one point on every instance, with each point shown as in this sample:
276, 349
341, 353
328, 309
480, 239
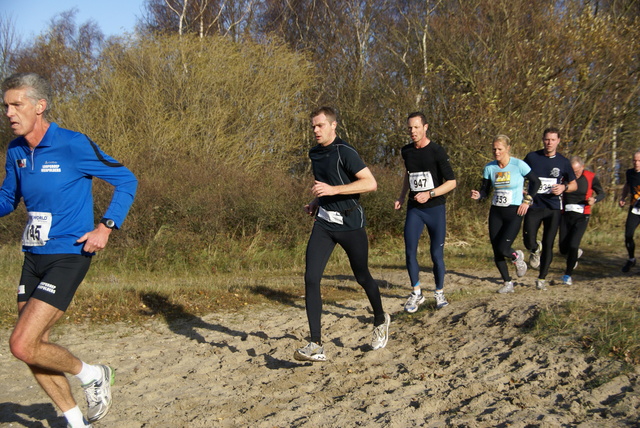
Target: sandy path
467, 365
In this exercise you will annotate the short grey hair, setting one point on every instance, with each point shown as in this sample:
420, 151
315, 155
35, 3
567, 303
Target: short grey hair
38, 88
578, 160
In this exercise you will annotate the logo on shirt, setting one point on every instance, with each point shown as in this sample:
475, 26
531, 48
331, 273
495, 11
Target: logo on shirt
22, 163
555, 172
51, 166
21, 289
49, 288
635, 197
502, 178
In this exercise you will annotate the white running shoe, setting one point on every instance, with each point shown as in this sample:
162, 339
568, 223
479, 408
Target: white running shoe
381, 334
98, 394
506, 288
521, 265
441, 301
413, 302
534, 258
311, 352
541, 284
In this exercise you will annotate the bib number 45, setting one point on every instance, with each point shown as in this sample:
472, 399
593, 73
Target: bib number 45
36, 232
33, 231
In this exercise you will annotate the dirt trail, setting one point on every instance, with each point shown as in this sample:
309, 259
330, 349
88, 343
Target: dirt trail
468, 365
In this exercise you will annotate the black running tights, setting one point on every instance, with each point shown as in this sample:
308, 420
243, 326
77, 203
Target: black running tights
550, 220
632, 223
504, 225
319, 249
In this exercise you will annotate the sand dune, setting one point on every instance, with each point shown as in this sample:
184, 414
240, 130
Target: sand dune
470, 364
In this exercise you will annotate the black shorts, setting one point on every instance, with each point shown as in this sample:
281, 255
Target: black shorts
52, 278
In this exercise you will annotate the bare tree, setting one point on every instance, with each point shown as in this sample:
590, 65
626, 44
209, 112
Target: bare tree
65, 53
481, 67
180, 12
231, 18
9, 43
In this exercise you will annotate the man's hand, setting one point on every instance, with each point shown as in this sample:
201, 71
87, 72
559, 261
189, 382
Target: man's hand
95, 240
322, 189
422, 197
311, 207
558, 189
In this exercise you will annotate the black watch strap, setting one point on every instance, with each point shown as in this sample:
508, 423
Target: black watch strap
109, 223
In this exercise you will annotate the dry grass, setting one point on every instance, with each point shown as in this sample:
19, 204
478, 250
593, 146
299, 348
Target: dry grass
116, 292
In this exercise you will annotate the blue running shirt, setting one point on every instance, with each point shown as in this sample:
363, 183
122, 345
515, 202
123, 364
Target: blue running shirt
54, 180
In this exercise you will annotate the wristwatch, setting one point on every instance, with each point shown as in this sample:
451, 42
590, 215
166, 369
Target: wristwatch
432, 194
109, 223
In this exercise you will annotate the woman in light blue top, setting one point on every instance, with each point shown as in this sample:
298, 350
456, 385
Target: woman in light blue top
507, 176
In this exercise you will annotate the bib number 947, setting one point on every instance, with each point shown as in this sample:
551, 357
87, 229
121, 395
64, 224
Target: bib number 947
420, 181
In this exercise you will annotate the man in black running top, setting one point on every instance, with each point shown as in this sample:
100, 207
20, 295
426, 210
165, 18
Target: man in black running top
556, 177
427, 179
340, 177
631, 187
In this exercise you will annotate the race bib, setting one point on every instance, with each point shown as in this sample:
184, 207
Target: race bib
501, 198
420, 181
635, 210
330, 216
546, 184
36, 233
576, 208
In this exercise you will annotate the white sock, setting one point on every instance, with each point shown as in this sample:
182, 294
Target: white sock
416, 289
75, 418
88, 373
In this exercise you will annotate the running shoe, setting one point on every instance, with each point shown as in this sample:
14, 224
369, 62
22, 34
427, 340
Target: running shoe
541, 284
98, 394
627, 266
413, 302
521, 265
311, 352
381, 334
441, 301
507, 287
566, 280
534, 258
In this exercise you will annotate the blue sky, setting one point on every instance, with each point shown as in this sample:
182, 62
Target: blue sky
31, 17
